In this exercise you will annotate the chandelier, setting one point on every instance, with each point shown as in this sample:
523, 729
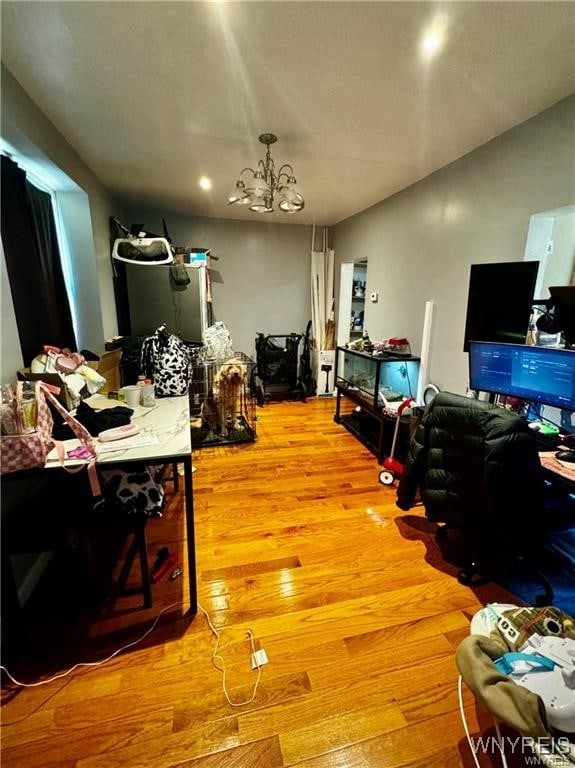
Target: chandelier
265, 187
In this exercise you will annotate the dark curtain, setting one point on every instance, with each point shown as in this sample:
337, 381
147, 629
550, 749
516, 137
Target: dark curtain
34, 267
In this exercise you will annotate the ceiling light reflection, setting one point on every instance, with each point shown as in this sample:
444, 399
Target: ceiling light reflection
431, 44
287, 587
376, 517
433, 39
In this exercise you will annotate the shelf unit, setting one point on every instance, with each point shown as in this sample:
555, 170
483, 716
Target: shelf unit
360, 381
358, 289
357, 306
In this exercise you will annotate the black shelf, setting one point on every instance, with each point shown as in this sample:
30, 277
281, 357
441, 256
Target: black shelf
359, 378
374, 429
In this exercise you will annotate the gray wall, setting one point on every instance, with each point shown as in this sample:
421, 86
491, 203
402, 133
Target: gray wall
261, 280
562, 259
30, 132
74, 209
421, 242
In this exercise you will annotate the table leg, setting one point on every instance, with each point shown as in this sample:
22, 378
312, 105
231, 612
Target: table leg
190, 534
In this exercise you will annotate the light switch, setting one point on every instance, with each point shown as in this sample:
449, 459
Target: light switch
374, 296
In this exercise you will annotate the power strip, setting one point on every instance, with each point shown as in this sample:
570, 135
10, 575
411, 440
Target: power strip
259, 658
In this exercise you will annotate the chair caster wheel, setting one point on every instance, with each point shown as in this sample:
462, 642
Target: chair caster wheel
470, 577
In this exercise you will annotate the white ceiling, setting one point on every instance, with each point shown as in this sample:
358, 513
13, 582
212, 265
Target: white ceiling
154, 94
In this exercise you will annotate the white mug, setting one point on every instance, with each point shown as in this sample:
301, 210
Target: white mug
132, 395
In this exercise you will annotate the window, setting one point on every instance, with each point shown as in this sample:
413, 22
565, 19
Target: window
36, 269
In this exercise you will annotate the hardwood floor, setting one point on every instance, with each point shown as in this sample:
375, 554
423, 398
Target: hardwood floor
348, 595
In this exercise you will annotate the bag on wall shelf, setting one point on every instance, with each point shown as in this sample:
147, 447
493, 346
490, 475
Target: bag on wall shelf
27, 426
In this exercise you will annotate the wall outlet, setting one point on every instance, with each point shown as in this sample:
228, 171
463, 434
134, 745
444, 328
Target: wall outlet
374, 296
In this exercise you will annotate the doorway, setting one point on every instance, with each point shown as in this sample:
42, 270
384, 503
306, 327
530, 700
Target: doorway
551, 242
351, 304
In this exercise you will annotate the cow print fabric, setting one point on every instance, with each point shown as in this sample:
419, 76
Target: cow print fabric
168, 362
136, 492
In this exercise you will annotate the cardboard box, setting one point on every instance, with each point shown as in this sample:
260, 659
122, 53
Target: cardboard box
107, 363
324, 360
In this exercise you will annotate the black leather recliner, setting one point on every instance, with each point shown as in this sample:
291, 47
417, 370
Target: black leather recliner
476, 467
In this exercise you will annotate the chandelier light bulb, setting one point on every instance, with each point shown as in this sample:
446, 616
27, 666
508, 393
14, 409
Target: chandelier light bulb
258, 187
238, 194
290, 198
262, 205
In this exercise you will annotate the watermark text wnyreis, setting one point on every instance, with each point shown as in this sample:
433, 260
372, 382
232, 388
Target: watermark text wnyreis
556, 750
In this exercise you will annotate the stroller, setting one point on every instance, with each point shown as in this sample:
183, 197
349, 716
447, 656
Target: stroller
282, 371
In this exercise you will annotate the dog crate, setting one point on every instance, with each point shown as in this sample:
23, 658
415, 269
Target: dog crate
223, 401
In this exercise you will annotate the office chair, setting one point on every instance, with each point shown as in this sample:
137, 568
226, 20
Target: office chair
476, 468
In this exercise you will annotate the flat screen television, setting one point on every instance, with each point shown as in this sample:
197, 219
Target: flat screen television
543, 375
499, 302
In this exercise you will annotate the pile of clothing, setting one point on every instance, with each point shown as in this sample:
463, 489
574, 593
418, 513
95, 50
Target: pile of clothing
519, 662
79, 378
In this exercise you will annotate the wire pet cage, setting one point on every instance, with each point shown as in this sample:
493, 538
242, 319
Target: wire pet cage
222, 401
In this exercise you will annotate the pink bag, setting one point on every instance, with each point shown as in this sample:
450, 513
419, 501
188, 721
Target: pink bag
63, 361
30, 450
27, 450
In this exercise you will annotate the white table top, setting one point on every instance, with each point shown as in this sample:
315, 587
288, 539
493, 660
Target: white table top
164, 433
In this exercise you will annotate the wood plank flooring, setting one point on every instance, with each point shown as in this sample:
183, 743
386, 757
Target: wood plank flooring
298, 543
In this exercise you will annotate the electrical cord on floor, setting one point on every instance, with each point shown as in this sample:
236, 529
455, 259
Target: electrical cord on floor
222, 669
215, 657
91, 663
499, 741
